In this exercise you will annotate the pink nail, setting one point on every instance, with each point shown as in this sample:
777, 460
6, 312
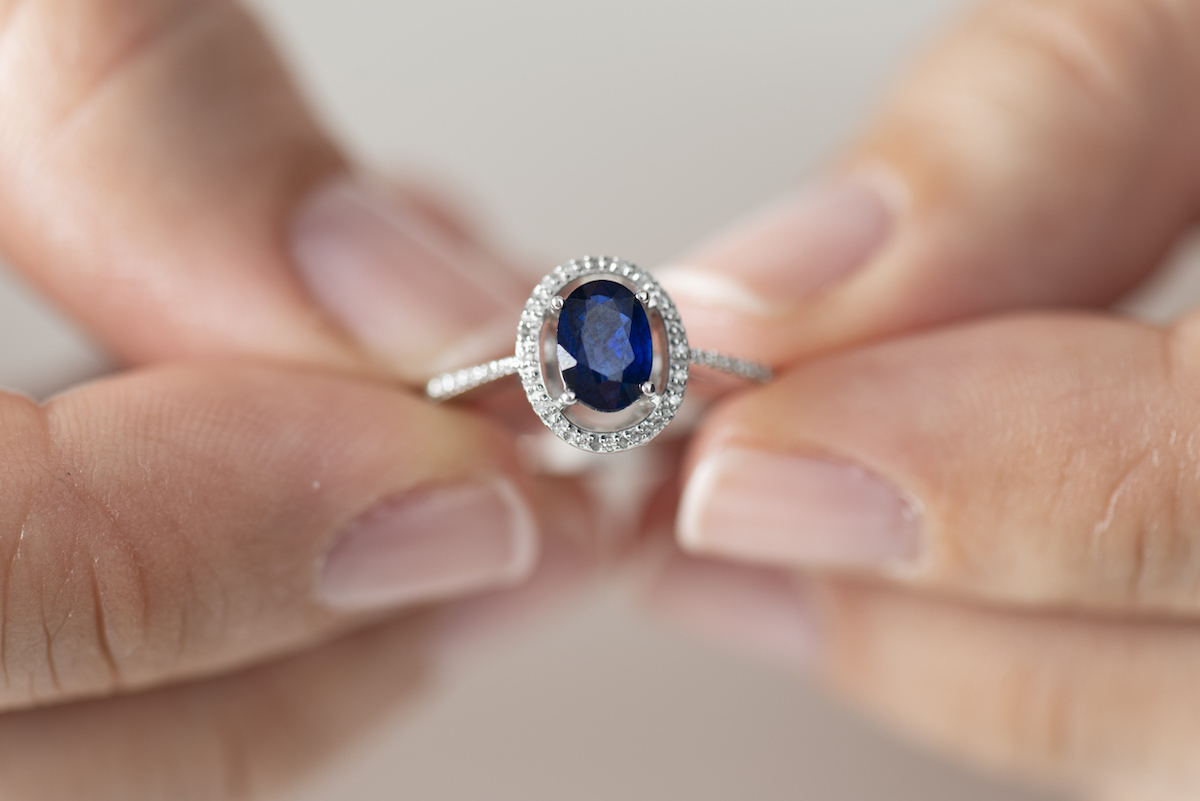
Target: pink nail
781, 509
410, 292
762, 611
431, 544
794, 248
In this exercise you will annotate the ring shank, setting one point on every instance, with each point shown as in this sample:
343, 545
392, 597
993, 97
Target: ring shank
742, 368
450, 385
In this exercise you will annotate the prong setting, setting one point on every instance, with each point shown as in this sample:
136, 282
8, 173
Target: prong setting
646, 299
557, 303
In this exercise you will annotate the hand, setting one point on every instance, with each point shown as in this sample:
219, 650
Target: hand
978, 520
274, 489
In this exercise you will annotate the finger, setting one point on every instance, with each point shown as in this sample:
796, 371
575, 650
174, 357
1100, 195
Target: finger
1035, 459
187, 520
1043, 154
161, 178
245, 736
252, 733
1103, 705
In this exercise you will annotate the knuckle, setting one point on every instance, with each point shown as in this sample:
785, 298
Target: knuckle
1094, 78
1106, 54
1128, 530
1165, 547
73, 616
1038, 727
1138, 549
73, 607
82, 47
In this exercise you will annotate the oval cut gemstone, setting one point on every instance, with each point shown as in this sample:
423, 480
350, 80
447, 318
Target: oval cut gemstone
605, 350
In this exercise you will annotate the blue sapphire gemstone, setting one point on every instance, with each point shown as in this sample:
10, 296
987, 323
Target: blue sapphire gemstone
605, 350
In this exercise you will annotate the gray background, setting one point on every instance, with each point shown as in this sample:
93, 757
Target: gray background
630, 127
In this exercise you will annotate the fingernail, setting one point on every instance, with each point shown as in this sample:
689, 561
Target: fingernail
780, 509
405, 288
793, 249
764, 612
430, 544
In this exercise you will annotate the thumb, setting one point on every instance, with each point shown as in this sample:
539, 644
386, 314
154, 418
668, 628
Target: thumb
183, 521
1042, 154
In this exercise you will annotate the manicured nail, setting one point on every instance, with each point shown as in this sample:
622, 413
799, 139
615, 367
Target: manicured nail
793, 249
789, 510
431, 544
764, 612
408, 290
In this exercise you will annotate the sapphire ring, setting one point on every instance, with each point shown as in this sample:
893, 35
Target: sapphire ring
602, 355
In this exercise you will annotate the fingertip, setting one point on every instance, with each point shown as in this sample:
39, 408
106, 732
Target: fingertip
417, 296
430, 544
793, 250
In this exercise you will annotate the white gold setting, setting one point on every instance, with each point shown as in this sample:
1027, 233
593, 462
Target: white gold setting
536, 362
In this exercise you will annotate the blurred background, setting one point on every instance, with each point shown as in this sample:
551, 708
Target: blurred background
630, 127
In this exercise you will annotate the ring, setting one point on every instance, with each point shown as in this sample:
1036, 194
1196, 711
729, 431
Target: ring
602, 354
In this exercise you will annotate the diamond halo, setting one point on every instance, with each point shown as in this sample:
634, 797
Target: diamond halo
531, 355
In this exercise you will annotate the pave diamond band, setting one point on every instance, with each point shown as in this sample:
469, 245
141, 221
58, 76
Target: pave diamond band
602, 355
451, 385
751, 371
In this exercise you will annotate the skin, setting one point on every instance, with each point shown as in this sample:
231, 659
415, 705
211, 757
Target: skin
166, 525
1048, 628
149, 194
